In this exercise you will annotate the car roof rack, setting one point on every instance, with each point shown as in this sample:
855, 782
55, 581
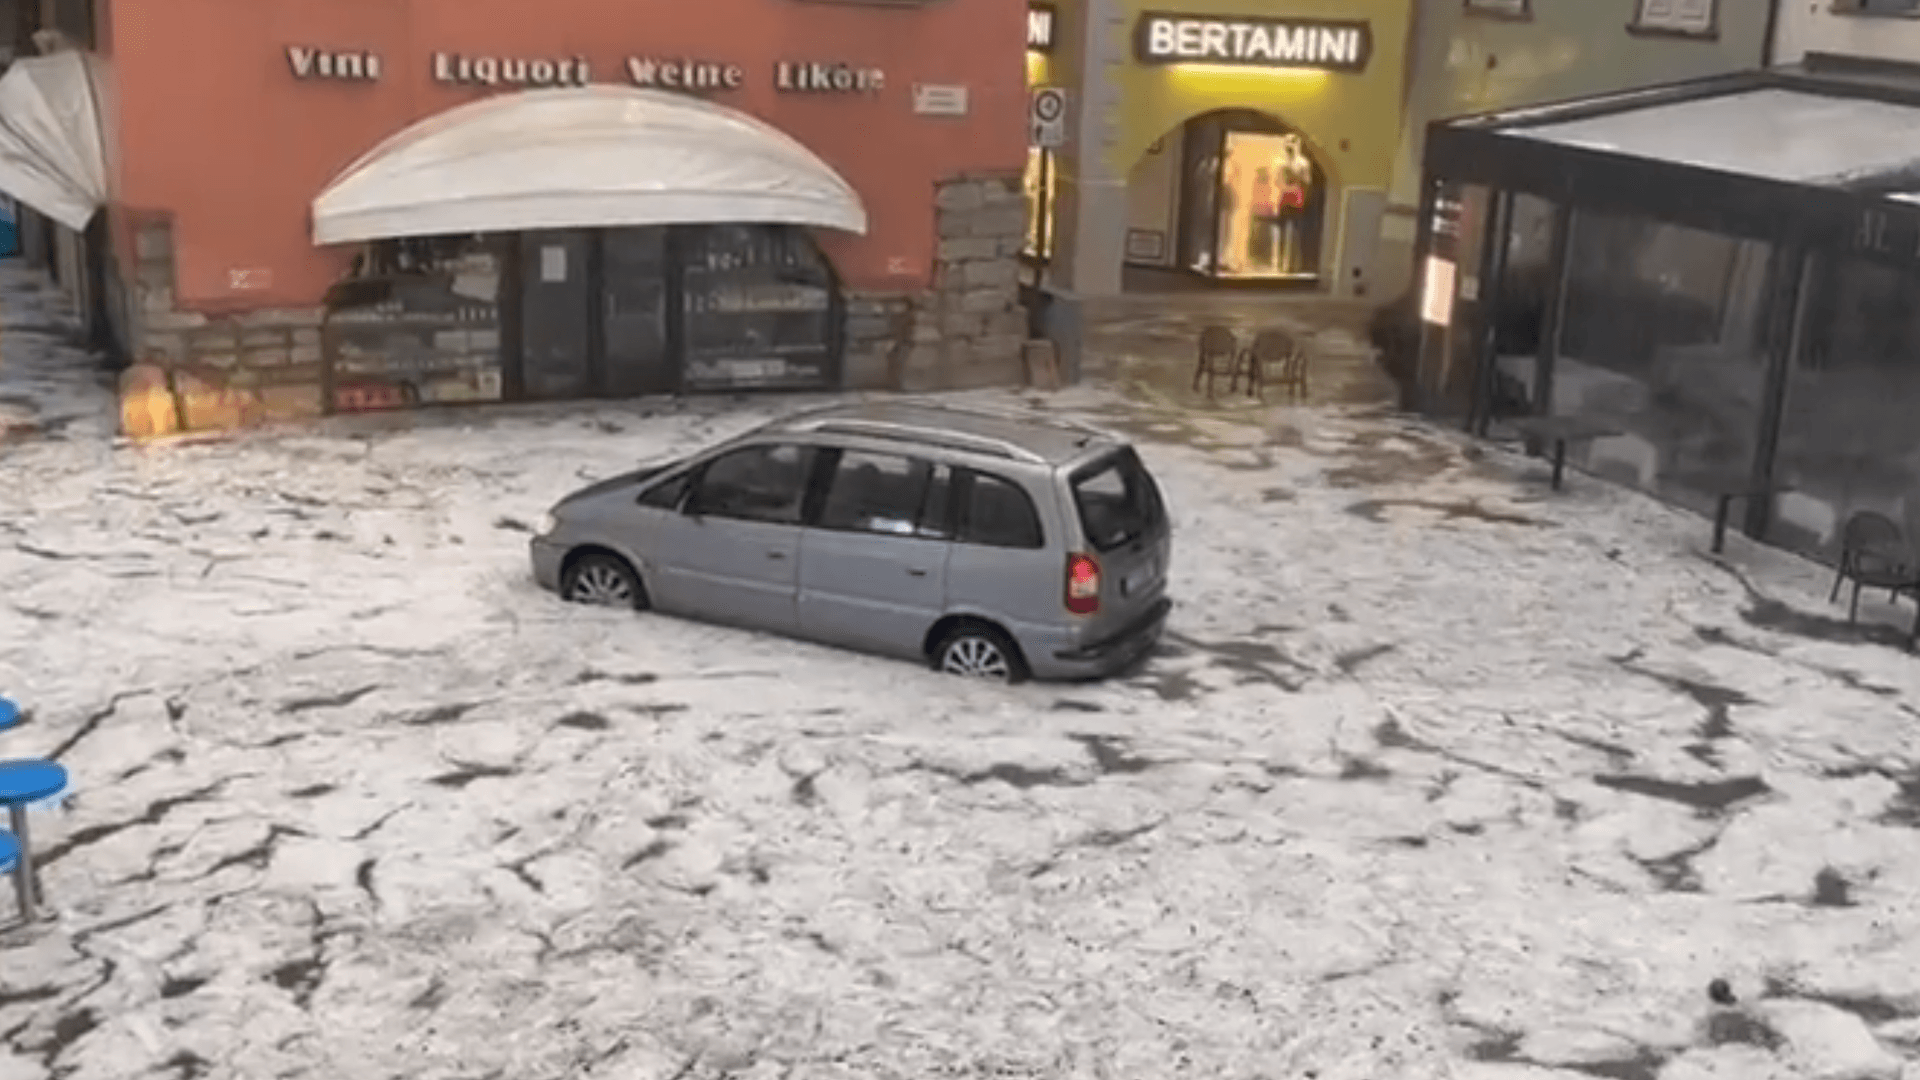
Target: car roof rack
951, 440
1006, 414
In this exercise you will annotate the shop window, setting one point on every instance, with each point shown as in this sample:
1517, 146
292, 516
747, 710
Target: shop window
1894, 8
1039, 184
1252, 201
1690, 18
415, 321
760, 309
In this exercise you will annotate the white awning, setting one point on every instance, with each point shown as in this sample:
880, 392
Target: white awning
1774, 134
51, 152
581, 157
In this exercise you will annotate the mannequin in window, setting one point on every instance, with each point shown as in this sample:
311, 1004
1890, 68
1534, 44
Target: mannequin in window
1294, 172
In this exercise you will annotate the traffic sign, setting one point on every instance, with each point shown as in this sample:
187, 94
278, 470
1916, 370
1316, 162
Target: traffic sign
1047, 117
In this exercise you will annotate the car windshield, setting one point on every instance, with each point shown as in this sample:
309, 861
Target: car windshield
1118, 501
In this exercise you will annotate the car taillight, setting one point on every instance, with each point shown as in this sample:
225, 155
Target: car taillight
1083, 584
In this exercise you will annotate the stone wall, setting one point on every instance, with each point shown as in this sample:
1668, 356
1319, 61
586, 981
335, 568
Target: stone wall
222, 371
966, 331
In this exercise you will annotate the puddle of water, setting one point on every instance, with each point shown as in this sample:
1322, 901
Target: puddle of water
1712, 797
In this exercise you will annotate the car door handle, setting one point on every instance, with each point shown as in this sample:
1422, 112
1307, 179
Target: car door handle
776, 554
916, 572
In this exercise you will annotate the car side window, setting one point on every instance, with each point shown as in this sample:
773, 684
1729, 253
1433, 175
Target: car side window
875, 493
996, 513
667, 495
755, 483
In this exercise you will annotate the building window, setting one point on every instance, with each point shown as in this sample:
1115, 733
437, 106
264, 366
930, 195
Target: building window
1692, 18
1501, 9
1909, 9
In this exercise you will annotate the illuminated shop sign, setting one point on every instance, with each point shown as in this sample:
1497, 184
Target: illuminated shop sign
678, 73
1040, 28
1322, 44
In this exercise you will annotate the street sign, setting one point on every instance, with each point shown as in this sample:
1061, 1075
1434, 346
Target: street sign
1047, 117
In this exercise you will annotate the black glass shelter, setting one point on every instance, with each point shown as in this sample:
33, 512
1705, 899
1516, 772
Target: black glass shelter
1727, 270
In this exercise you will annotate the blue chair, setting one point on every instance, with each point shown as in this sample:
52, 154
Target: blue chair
23, 783
9, 852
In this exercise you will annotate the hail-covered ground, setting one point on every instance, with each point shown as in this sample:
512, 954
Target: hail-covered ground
1437, 774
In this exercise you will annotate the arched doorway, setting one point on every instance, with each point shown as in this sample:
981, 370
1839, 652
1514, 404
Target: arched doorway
1229, 196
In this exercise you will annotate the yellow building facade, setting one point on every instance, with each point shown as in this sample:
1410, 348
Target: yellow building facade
1217, 143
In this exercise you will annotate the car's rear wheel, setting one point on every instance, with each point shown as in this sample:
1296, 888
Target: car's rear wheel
603, 581
978, 651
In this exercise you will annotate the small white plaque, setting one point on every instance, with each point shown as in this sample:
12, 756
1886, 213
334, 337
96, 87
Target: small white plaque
553, 263
932, 99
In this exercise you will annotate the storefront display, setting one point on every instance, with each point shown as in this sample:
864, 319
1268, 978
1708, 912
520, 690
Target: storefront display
759, 309
418, 323
1242, 193
1256, 141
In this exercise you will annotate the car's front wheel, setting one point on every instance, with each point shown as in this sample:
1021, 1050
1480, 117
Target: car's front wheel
604, 581
980, 652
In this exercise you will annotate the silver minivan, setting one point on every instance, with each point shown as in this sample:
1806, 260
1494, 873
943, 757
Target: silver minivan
988, 545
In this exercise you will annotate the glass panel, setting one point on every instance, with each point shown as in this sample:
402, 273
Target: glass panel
416, 321
1270, 205
1848, 441
1523, 302
633, 310
759, 309
1665, 335
1200, 189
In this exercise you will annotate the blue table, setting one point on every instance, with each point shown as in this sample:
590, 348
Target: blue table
23, 783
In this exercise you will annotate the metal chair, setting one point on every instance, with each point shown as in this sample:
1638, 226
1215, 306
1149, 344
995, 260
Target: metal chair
1872, 554
1219, 346
1276, 357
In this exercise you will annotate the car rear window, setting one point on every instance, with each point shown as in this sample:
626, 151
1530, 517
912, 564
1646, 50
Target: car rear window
1117, 500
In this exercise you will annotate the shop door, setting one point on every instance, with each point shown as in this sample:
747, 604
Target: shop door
633, 313
555, 314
